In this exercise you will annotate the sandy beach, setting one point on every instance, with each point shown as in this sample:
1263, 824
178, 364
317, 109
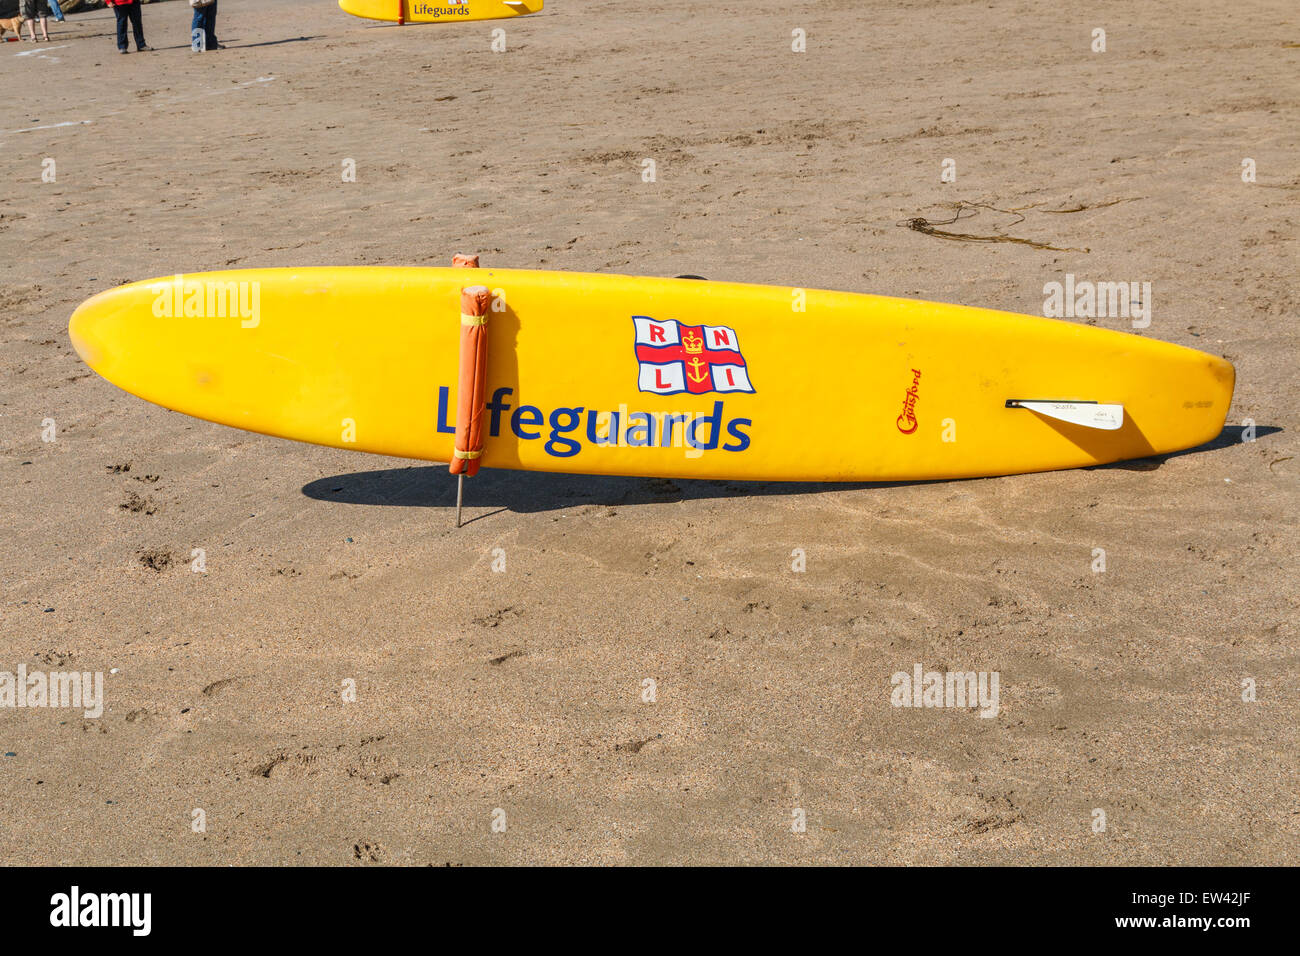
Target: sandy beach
520, 695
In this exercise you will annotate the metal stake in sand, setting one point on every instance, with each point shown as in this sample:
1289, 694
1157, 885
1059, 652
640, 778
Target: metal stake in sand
471, 386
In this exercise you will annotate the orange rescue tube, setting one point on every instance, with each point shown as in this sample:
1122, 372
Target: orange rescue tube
471, 388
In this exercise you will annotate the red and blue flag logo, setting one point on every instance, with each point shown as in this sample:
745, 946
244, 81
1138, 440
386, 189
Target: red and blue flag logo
694, 359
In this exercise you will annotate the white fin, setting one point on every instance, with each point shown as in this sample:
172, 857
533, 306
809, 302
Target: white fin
1089, 414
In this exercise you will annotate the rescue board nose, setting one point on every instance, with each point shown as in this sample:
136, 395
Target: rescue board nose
86, 329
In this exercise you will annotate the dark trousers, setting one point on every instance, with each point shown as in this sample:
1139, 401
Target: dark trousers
132, 13
205, 22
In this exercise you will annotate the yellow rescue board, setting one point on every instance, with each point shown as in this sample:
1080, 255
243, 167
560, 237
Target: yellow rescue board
619, 375
438, 11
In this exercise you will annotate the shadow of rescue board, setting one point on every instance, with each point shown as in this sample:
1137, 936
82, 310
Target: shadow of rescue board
623, 375
439, 11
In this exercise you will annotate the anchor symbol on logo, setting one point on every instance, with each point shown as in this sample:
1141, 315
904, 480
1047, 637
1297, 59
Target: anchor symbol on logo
694, 345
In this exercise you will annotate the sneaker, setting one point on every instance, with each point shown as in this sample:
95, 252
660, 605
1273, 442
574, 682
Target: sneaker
123, 51
144, 49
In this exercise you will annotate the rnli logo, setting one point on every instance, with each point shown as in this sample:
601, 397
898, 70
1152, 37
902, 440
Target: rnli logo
695, 359
907, 421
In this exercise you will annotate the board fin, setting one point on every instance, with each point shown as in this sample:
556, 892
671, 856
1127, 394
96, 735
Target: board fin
1101, 415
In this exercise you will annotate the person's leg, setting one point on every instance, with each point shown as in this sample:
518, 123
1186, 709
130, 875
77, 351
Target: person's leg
137, 26
120, 13
212, 26
56, 10
45, 28
198, 36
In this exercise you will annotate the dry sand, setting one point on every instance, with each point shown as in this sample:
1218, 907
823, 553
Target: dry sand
522, 690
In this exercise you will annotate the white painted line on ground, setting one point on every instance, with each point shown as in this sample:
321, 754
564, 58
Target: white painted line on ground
30, 129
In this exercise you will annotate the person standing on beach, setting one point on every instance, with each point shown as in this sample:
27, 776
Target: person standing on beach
126, 10
33, 10
203, 29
